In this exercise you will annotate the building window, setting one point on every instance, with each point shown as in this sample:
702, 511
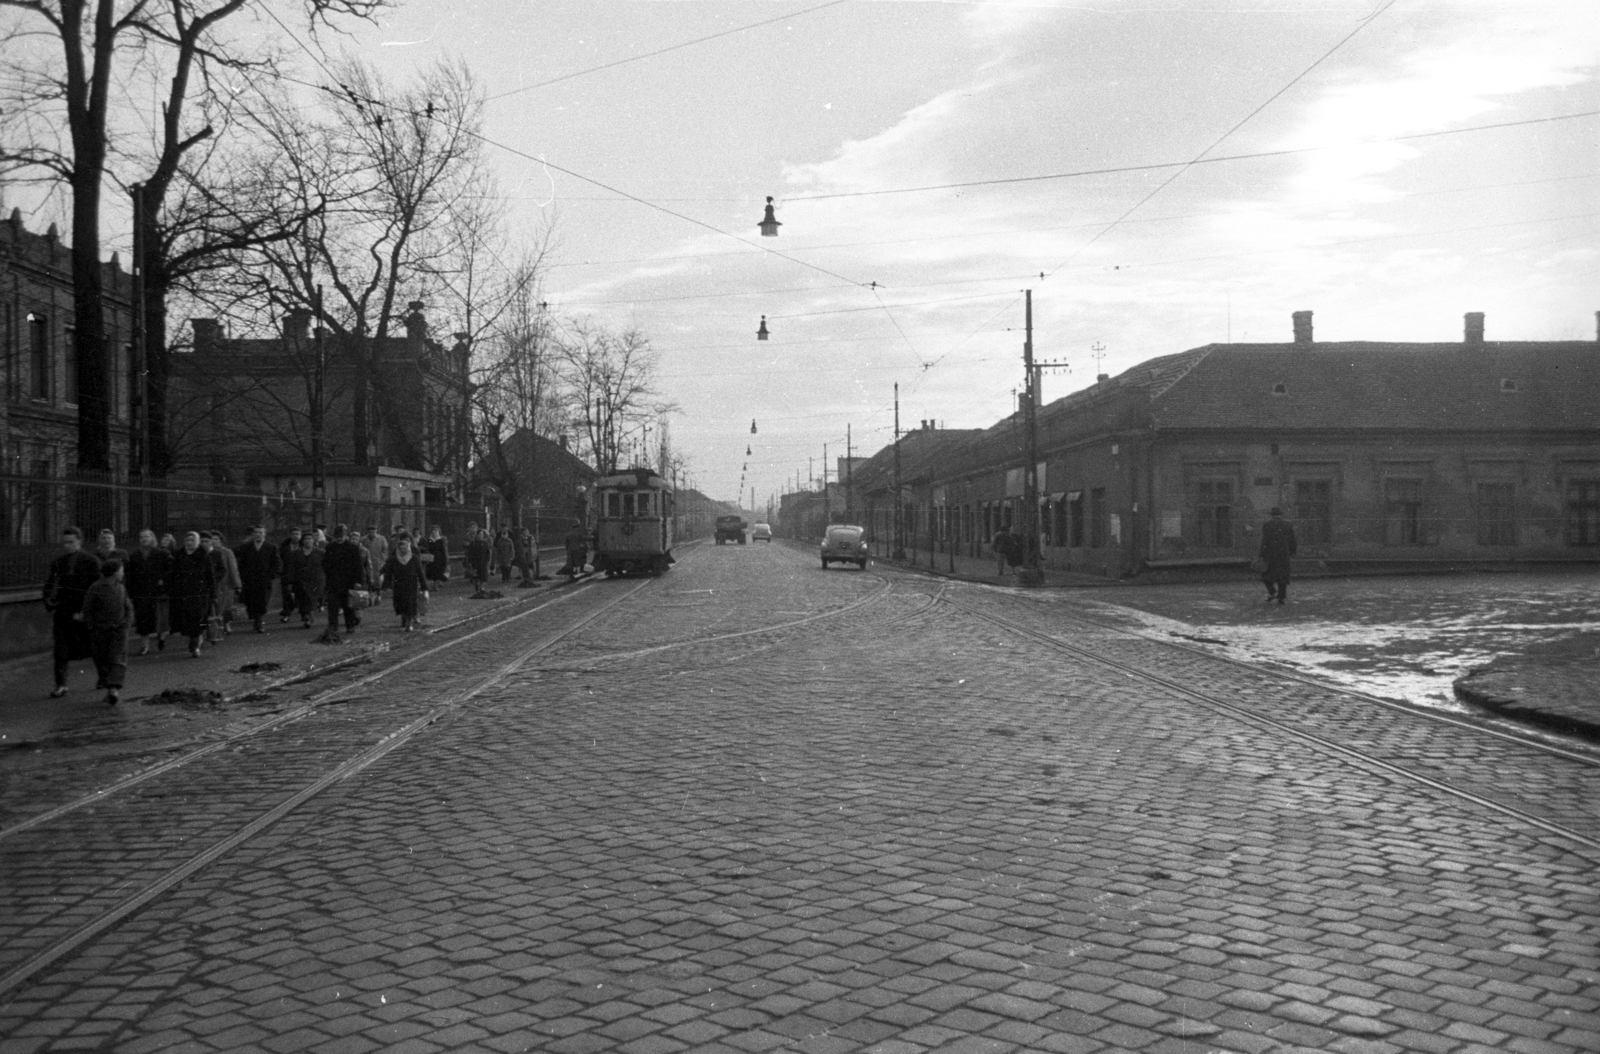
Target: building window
69, 367
1213, 513
1313, 510
1583, 512
1099, 519
1402, 511
1496, 517
39, 355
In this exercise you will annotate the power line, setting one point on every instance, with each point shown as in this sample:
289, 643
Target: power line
661, 51
1157, 166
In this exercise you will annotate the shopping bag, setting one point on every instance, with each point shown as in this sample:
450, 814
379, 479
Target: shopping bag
360, 599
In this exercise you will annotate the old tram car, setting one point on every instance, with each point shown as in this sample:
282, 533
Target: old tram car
632, 516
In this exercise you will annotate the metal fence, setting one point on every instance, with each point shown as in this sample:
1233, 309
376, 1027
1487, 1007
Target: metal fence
34, 510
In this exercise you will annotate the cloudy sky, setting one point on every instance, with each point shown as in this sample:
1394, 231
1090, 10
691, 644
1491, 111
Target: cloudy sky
1057, 138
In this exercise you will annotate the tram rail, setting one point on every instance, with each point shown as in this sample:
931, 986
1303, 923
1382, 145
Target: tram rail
1588, 843
108, 915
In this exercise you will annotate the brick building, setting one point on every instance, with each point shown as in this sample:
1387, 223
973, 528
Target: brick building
39, 407
240, 413
1382, 454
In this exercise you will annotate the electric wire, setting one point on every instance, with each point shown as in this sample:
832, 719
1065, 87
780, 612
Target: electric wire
662, 51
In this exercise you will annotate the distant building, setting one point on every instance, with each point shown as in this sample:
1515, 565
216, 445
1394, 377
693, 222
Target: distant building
39, 408
540, 479
240, 413
1382, 454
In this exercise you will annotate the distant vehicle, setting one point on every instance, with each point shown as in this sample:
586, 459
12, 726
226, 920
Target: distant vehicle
844, 544
632, 515
730, 529
761, 533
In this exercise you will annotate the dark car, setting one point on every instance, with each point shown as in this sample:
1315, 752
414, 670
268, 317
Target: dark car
846, 544
730, 529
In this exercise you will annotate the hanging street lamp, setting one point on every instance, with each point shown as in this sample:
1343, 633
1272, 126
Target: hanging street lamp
769, 223
761, 332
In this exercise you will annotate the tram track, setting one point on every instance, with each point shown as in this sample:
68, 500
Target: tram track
1321, 741
150, 888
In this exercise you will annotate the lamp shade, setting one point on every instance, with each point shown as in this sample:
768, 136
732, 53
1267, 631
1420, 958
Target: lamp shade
761, 331
769, 223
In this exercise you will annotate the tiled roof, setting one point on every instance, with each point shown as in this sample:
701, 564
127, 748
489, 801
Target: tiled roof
1495, 386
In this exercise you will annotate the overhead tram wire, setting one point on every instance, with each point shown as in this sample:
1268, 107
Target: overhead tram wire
754, 247
1296, 79
662, 51
1250, 156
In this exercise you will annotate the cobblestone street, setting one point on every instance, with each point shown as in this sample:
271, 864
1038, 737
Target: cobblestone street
757, 806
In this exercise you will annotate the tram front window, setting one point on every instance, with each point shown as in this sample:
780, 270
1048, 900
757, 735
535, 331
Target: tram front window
613, 504
644, 505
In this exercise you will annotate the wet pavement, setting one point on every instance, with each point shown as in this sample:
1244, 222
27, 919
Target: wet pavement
1525, 645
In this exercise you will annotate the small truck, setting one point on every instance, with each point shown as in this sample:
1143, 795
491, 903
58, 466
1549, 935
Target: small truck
730, 529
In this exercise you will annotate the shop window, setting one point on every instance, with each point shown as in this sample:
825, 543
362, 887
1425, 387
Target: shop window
1313, 510
1402, 512
1099, 518
1497, 523
1075, 519
1583, 512
1213, 513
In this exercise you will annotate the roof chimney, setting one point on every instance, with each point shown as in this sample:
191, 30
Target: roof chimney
415, 322
296, 324
1302, 327
1102, 378
1474, 334
207, 331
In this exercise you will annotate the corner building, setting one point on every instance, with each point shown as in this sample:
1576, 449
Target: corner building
1384, 455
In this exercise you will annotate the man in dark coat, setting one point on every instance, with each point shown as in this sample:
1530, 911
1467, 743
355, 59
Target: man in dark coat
288, 546
1277, 546
259, 564
70, 576
343, 569
577, 543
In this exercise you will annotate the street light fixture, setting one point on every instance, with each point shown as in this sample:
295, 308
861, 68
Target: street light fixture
769, 223
761, 331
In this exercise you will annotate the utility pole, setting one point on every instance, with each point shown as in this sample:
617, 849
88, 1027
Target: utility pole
1031, 575
848, 469
319, 455
899, 540
827, 499
138, 392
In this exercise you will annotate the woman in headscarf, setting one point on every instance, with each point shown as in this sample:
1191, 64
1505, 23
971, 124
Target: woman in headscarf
404, 577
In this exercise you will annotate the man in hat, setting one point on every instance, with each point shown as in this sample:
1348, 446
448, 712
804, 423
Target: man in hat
1277, 547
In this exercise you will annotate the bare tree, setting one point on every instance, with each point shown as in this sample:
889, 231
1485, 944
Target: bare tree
99, 40
378, 182
611, 378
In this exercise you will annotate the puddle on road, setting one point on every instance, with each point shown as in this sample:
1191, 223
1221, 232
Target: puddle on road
1406, 638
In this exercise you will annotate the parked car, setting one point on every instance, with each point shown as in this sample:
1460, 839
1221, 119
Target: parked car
846, 544
761, 532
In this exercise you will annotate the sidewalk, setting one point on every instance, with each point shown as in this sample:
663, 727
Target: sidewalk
982, 569
1553, 684
241, 668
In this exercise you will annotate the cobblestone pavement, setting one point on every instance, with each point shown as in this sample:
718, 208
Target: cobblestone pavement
877, 824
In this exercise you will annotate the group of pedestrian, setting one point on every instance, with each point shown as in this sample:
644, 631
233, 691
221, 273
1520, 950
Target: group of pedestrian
504, 553
191, 588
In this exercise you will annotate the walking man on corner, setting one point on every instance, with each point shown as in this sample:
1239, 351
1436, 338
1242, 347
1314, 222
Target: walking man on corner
343, 569
1002, 543
1277, 547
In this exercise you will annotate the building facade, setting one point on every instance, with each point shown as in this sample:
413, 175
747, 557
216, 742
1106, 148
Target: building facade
38, 404
1382, 455
257, 412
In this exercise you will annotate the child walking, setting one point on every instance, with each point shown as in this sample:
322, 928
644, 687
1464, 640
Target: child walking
107, 612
